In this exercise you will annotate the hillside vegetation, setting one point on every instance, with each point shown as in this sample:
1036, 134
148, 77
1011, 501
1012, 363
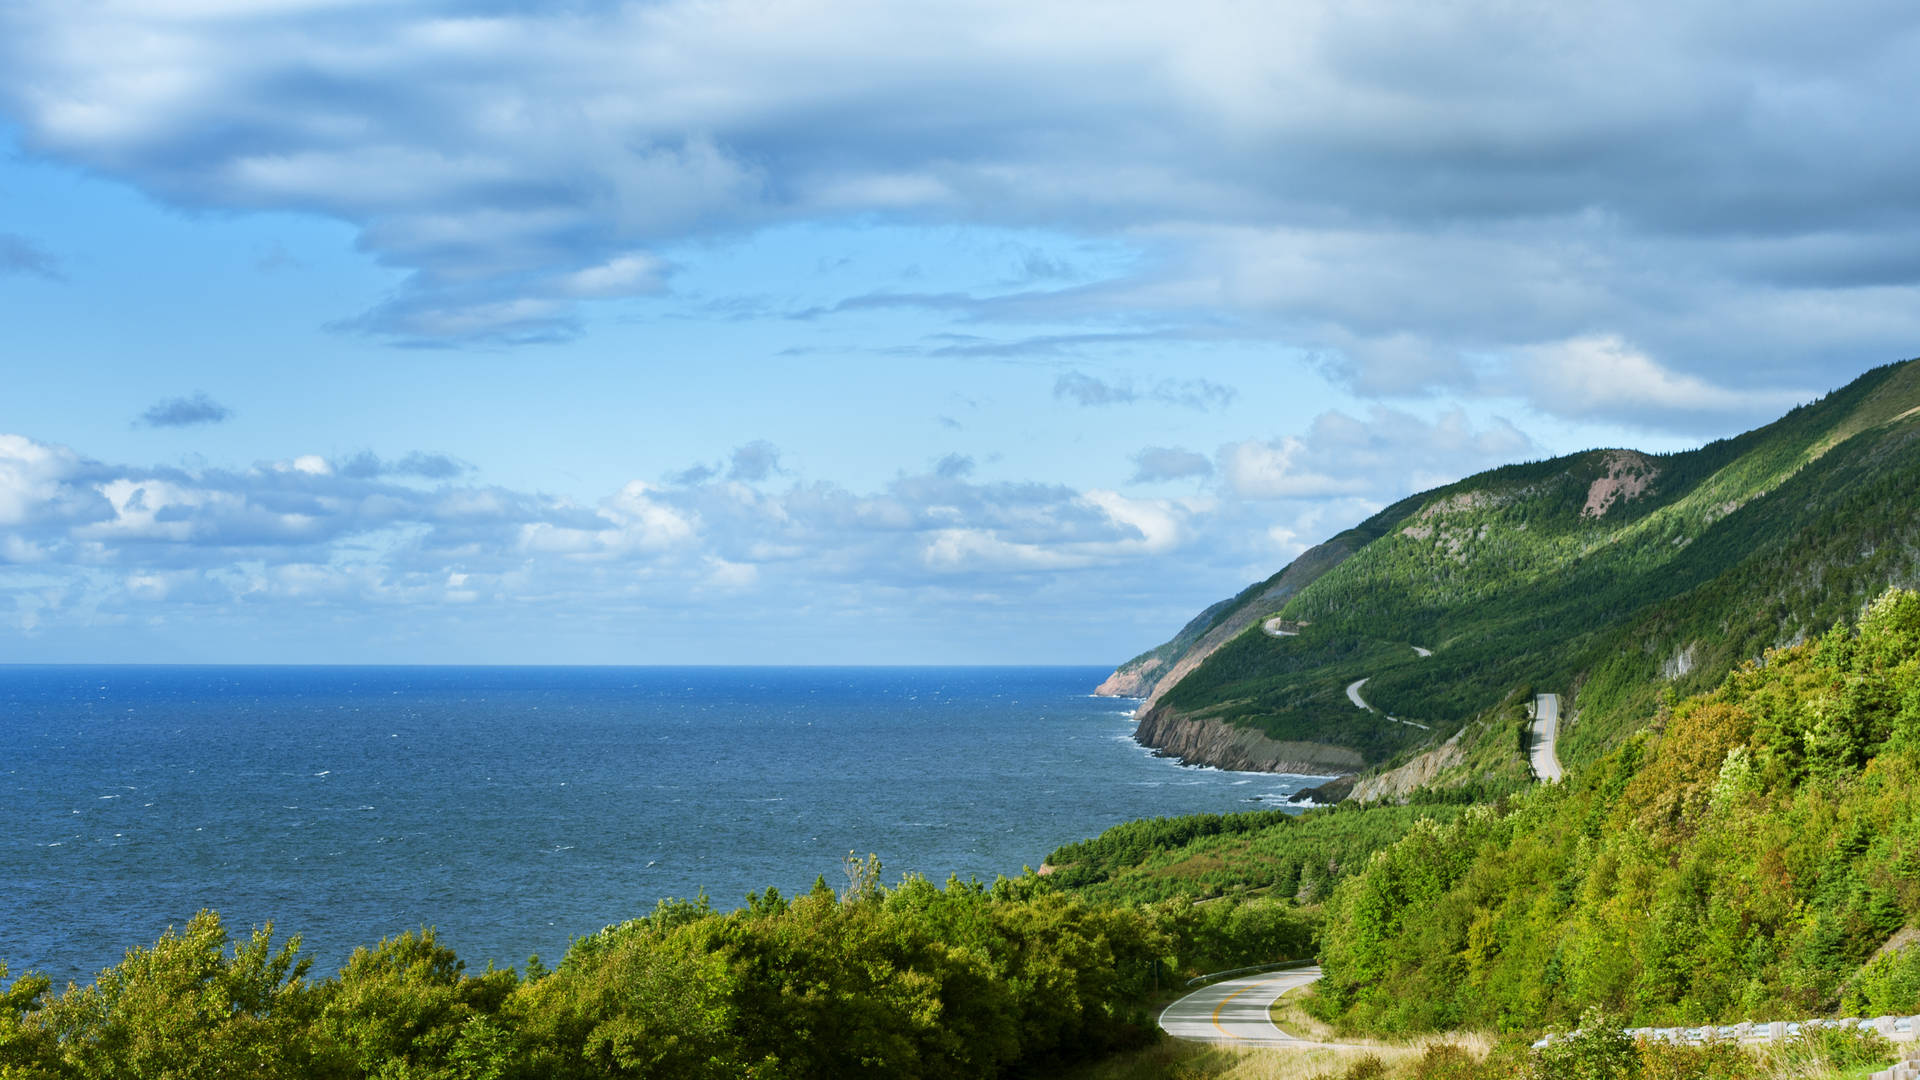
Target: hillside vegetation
1753, 853
1609, 576
915, 980
1275, 853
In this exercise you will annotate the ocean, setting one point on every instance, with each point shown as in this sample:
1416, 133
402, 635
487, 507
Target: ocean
516, 808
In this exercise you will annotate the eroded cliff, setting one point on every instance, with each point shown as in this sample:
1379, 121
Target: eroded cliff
1201, 741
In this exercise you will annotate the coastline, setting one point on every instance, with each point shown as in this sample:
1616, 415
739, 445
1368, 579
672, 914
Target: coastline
1205, 741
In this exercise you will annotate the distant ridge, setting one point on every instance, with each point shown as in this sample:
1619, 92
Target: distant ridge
1609, 576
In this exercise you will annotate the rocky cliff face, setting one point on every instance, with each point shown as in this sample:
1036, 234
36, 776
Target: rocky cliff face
1130, 681
1211, 742
1397, 784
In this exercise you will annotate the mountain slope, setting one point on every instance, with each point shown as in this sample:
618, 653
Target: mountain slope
1753, 853
1153, 672
1607, 575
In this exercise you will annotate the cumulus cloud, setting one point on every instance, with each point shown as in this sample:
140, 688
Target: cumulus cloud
1160, 463
366, 465
363, 533
44, 486
403, 541
186, 412
1389, 453
953, 466
694, 474
1605, 377
754, 462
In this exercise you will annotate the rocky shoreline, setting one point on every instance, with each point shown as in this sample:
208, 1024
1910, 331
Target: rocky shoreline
1212, 742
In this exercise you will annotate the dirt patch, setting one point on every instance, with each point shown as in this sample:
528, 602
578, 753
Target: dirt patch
1629, 475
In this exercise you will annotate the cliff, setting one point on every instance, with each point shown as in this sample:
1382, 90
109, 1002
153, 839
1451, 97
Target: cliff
1131, 681
1422, 771
1202, 741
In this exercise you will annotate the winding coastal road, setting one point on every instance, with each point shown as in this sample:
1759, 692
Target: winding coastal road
1546, 734
1353, 695
1236, 1012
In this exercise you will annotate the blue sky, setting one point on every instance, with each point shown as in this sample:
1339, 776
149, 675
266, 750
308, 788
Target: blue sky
846, 332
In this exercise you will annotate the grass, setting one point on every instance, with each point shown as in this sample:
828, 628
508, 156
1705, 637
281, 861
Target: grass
1172, 1059
1290, 1015
1175, 1060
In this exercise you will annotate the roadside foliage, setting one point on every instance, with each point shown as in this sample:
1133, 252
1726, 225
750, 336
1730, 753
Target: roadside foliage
915, 980
1752, 854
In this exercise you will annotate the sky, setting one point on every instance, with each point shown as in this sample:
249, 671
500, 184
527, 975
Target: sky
849, 332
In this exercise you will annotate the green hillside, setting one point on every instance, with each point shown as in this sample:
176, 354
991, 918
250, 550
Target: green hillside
1611, 576
1754, 853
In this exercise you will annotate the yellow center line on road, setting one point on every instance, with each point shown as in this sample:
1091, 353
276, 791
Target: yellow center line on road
1225, 1000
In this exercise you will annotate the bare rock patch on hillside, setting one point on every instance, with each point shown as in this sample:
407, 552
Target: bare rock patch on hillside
1629, 475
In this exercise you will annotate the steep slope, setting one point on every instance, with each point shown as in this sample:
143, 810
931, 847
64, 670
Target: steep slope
1150, 673
1604, 576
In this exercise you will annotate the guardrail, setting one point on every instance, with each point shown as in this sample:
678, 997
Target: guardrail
1894, 1028
1216, 976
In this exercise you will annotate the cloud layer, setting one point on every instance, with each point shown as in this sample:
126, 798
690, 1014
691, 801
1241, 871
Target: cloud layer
185, 412
1429, 197
88, 545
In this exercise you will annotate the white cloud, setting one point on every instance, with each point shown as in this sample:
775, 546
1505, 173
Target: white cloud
1156, 464
623, 275
1604, 376
1389, 453
31, 477
1274, 469
1398, 186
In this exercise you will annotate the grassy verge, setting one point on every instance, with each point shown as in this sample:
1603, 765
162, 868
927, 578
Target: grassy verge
1173, 1060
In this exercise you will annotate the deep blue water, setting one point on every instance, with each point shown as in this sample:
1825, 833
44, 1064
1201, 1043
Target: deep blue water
514, 808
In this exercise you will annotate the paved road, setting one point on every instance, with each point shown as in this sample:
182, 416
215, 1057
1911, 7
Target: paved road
1235, 1011
1546, 734
1272, 628
1353, 695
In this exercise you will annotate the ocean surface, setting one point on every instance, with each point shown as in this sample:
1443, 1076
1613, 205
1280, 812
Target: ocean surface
516, 808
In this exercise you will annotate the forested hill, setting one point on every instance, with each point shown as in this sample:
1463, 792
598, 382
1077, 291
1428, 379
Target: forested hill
1611, 576
1752, 853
